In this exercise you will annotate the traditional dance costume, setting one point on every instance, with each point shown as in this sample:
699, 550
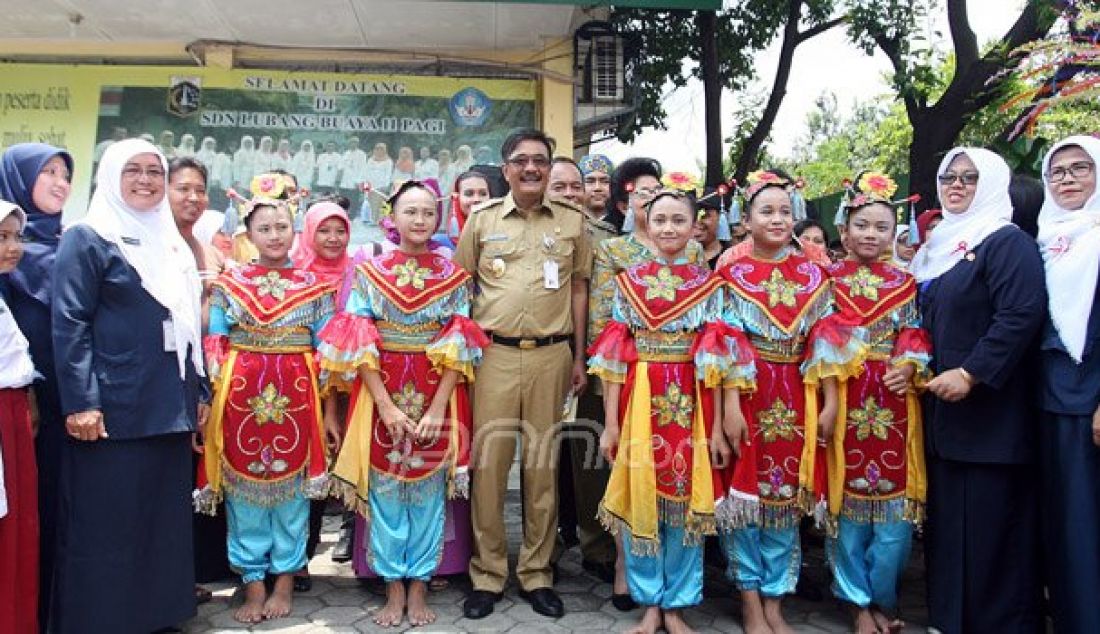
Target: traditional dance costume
665, 344
265, 439
408, 318
877, 480
785, 307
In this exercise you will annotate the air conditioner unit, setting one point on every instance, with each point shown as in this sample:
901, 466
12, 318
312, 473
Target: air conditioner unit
606, 68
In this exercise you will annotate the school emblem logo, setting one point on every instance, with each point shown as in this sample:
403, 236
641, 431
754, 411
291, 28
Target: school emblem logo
470, 107
184, 96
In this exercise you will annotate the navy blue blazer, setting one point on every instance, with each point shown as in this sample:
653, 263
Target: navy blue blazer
984, 315
1068, 387
108, 340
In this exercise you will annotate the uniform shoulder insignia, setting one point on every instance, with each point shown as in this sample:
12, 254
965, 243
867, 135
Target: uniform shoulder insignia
486, 204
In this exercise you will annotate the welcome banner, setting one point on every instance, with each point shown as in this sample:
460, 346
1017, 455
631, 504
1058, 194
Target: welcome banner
334, 131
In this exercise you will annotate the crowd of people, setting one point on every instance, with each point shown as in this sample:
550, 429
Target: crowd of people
321, 164
677, 363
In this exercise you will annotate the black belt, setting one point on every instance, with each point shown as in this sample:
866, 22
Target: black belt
529, 343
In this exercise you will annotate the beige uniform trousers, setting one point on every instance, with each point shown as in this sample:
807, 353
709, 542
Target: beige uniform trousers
517, 392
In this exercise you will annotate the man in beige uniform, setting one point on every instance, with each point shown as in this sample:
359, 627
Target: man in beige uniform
530, 258
584, 472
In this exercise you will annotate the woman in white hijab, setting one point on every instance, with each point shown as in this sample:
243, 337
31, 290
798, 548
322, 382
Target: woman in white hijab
126, 332
187, 146
982, 300
1069, 436
304, 165
244, 163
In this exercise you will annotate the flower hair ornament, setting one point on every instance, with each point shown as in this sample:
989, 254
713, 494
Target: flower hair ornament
682, 181
761, 179
876, 187
262, 201
272, 186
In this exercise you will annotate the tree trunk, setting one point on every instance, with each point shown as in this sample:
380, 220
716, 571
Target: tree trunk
712, 95
933, 136
750, 151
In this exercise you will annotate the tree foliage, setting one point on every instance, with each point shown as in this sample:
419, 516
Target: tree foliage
877, 135
672, 53
938, 113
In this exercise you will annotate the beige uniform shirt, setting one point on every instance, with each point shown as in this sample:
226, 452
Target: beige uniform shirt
508, 252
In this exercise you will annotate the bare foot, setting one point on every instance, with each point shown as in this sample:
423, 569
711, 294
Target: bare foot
419, 613
675, 624
752, 614
650, 622
773, 612
865, 622
282, 597
253, 609
393, 612
885, 623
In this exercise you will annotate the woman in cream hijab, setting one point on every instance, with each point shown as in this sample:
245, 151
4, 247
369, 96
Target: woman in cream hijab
1069, 436
127, 341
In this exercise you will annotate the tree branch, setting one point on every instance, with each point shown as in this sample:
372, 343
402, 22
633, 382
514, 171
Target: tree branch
814, 31
970, 88
963, 37
751, 149
892, 49
1033, 24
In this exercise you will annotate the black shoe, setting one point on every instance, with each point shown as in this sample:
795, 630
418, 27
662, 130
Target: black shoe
605, 572
623, 602
479, 604
341, 553
303, 583
544, 601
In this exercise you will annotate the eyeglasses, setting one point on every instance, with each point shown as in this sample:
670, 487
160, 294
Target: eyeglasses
647, 192
1076, 170
539, 162
966, 178
135, 172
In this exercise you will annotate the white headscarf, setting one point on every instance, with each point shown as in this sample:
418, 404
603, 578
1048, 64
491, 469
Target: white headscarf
9, 208
901, 230
959, 234
1070, 243
151, 243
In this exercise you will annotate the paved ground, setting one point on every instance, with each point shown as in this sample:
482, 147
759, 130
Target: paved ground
339, 603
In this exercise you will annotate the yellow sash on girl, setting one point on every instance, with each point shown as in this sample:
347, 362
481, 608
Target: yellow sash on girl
352, 468
213, 441
916, 480
631, 496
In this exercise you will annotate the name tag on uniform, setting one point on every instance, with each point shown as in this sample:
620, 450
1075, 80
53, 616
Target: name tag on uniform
169, 336
131, 241
550, 275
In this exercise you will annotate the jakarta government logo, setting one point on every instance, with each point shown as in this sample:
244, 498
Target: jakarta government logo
470, 107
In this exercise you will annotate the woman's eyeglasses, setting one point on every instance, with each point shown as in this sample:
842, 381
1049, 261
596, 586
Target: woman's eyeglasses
135, 172
1076, 170
966, 178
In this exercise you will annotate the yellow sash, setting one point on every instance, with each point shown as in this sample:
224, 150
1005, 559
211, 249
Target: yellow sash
631, 496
